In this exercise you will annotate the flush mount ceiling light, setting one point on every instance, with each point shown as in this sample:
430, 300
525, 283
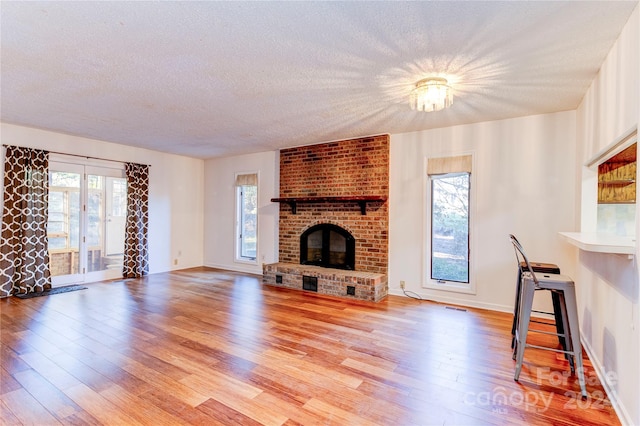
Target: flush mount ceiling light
431, 94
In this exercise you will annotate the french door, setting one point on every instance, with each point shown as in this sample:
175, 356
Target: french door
86, 225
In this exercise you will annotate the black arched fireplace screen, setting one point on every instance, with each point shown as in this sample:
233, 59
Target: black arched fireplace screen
329, 246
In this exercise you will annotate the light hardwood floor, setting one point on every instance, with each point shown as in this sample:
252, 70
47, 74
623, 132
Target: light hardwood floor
205, 346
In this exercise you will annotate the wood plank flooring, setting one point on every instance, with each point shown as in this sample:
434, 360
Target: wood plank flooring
211, 347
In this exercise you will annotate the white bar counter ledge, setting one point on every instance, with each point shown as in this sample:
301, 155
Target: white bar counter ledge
601, 243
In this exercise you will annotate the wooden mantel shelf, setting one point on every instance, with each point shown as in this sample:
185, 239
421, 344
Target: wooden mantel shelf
362, 200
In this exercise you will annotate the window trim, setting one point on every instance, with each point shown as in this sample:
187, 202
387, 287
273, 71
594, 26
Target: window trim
237, 257
427, 281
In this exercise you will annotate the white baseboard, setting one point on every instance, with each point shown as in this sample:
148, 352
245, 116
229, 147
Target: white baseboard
249, 269
456, 301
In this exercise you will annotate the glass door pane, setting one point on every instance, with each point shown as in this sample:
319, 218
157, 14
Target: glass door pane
63, 226
116, 204
95, 222
106, 220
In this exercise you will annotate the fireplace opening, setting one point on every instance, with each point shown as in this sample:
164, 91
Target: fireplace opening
329, 246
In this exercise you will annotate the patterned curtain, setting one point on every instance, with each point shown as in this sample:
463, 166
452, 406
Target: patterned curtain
24, 256
136, 249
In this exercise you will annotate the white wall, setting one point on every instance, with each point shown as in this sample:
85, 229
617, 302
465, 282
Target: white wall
175, 191
608, 284
524, 175
219, 210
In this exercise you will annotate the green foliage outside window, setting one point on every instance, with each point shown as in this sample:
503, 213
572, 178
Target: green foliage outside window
450, 227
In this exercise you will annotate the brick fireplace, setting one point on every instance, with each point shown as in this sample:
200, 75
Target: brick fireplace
343, 184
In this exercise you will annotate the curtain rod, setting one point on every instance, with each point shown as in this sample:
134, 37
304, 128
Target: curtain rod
88, 157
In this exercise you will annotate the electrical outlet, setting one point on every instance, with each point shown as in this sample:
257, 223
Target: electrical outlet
402, 285
175, 261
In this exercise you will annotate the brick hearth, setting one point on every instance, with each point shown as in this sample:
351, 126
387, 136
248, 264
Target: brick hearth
334, 282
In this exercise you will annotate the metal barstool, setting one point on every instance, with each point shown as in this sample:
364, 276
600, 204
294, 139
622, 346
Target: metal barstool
546, 268
565, 289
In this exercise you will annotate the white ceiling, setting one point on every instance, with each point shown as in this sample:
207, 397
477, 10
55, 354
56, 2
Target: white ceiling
207, 79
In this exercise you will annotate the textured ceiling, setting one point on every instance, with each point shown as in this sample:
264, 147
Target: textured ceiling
208, 79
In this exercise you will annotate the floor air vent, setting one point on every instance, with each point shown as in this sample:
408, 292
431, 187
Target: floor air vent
455, 309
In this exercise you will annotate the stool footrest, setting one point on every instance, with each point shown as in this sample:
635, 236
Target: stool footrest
546, 348
550, 333
543, 322
543, 312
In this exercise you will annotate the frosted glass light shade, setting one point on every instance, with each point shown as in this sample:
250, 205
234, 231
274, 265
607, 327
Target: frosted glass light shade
431, 94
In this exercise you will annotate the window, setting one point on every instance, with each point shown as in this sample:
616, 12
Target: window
247, 217
450, 188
